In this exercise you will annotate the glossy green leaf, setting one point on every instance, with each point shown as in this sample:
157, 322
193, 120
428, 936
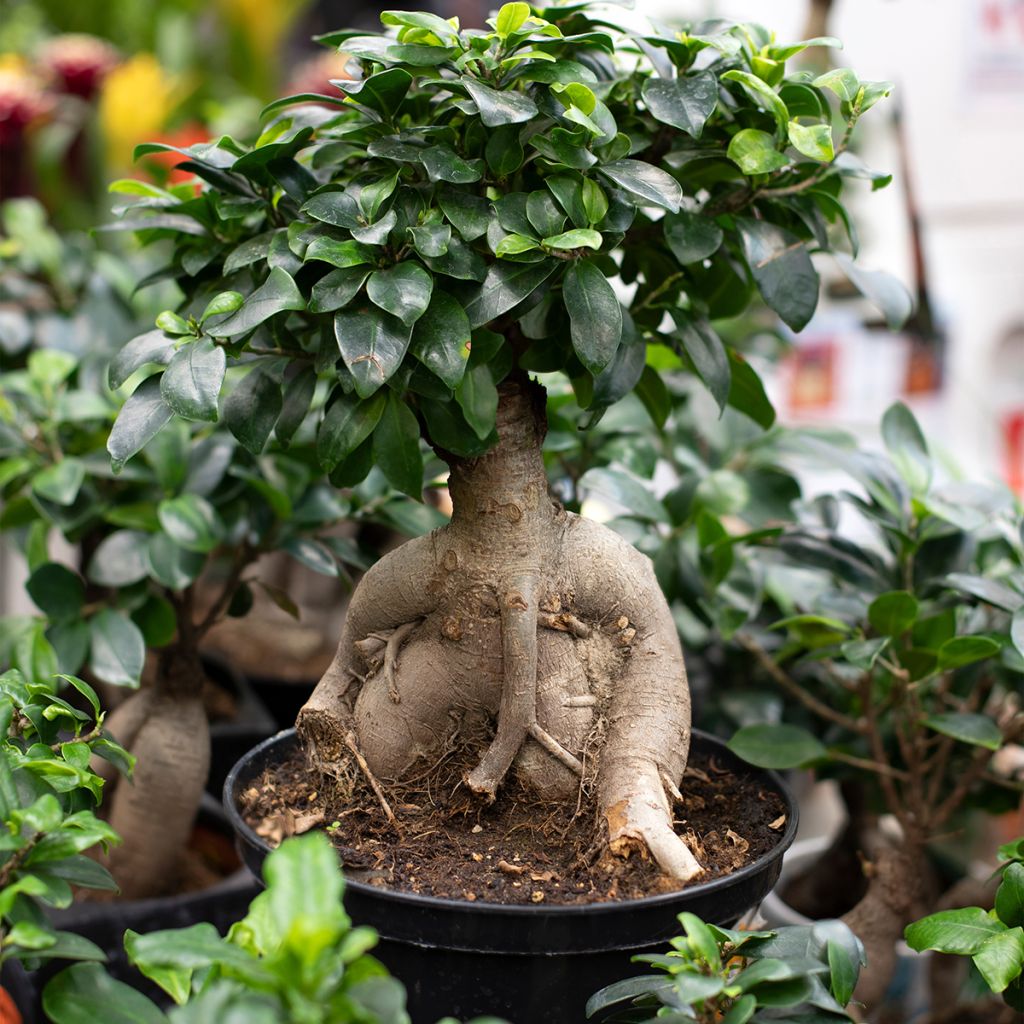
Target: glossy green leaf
348, 422
756, 152
61, 482
893, 613
192, 381
647, 183
339, 254
764, 95
442, 337
120, 559
86, 993
477, 396
978, 730
252, 408
623, 490
139, 420
691, 236
841, 81
169, 564
886, 292
372, 344
296, 400
117, 650
747, 393
777, 746
337, 289
709, 356
1001, 959
814, 141
1009, 903
442, 163
57, 591
782, 269
277, 294
953, 931
965, 650
506, 285
685, 102
383, 91
499, 106
402, 290
191, 522
594, 313
578, 238
396, 447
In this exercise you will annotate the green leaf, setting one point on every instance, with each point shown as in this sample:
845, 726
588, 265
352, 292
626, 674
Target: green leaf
741, 1011
348, 422
396, 447
421, 19
373, 345
691, 237
442, 163
297, 398
623, 489
277, 294
117, 650
842, 81
191, 522
892, 614
442, 337
813, 140
498, 107
431, 239
171, 323
747, 392
339, 254
963, 932
989, 591
595, 202
594, 313
337, 289
648, 183
402, 290
221, 304
86, 993
171, 565
151, 347
191, 384
978, 730
881, 289
578, 238
478, 398
686, 102
57, 591
383, 91
513, 245
140, 419
907, 446
844, 970
777, 746
709, 356
965, 650
504, 287
468, 213
252, 409
756, 152
511, 18
763, 95
1010, 896
120, 559
61, 482
1001, 958
782, 270
814, 631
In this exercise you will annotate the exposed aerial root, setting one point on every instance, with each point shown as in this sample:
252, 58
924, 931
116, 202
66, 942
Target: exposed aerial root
564, 622
555, 749
638, 825
350, 742
670, 787
391, 658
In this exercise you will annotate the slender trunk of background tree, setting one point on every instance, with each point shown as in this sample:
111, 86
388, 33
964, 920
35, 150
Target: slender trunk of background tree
166, 729
541, 637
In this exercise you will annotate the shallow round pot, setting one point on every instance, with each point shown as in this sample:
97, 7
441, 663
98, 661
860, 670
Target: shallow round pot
528, 964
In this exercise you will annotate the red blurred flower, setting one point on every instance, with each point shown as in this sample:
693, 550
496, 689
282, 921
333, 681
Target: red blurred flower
22, 101
77, 63
186, 135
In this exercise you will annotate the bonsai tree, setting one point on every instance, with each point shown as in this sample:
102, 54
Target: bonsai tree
447, 224
899, 654
48, 797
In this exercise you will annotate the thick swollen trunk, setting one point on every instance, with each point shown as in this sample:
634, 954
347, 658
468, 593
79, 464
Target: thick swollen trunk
166, 729
541, 633
893, 899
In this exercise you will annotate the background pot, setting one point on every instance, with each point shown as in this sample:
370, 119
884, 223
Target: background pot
525, 963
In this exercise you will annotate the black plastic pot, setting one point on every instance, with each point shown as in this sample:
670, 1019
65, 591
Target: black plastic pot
283, 698
528, 964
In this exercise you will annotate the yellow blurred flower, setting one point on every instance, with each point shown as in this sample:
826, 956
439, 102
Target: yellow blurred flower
136, 101
264, 23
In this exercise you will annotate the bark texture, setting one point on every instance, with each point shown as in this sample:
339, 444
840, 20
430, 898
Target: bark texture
166, 728
542, 634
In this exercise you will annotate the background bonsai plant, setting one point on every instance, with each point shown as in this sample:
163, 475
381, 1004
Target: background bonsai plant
423, 242
900, 656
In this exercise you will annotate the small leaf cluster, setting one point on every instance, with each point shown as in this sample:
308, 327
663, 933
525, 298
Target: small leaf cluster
714, 974
48, 794
294, 958
901, 642
461, 206
993, 939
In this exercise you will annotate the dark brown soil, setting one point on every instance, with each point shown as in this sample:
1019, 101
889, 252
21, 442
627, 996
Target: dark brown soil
518, 850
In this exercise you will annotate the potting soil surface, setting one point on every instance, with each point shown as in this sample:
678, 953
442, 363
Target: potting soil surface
518, 850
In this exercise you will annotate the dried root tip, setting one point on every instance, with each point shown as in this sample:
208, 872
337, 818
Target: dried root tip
564, 622
670, 787
481, 785
636, 825
585, 700
555, 749
350, 742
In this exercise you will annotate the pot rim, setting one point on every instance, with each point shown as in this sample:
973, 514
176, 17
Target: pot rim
449, 905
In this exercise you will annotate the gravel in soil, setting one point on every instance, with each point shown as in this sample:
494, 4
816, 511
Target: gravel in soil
519, 849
